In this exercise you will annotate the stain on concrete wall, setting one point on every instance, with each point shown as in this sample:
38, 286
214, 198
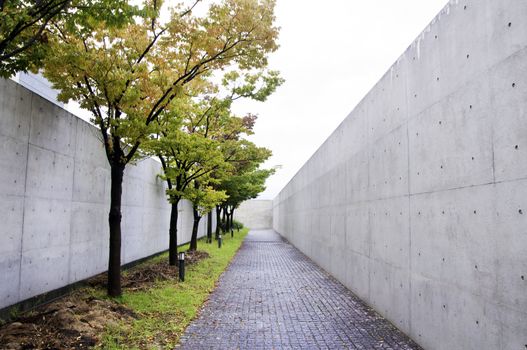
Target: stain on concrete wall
54, 199
417, 202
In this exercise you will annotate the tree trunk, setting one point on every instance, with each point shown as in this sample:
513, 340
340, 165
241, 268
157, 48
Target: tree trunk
114, 220
228, 223
195, 227
218, 221
209, 227
224, 220
231, 223
172, 247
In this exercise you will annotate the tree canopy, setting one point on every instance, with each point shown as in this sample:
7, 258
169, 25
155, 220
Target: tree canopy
25, 27
131, 76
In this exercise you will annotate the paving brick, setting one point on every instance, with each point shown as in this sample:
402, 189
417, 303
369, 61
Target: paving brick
273, 297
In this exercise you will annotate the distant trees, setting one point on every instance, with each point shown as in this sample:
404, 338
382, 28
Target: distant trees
129, 77
198, 143
242, 186
186, 158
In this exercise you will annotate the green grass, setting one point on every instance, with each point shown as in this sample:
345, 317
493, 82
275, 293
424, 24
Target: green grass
168, 307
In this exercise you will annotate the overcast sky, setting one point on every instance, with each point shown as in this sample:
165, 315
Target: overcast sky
332, 53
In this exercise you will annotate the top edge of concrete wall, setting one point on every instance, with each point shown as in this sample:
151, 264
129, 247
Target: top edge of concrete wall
414, 45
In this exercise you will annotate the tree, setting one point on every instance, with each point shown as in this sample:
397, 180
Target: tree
25, 27
204, 199
186, 159
242, 187
245, 158
209, 119
128, 77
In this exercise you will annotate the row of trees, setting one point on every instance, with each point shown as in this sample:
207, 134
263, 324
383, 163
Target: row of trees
159, 81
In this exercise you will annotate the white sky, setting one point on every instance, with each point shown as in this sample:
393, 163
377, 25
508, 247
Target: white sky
332, 53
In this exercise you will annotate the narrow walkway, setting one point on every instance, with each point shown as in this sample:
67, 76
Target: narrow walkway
274, 297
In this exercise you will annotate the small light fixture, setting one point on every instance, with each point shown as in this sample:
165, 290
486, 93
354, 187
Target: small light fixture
181, 265
219, 241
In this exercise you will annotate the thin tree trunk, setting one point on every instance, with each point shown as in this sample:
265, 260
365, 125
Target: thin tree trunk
209, 227
114, 220
195, 227
172, 247
231, 222
224, 221
218, 221
228, 224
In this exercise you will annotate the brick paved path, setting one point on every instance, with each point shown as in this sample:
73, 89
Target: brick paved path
274, 297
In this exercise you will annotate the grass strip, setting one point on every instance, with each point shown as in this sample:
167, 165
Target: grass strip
166, 309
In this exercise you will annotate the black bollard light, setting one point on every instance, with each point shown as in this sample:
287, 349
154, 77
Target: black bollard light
181, 259
219, 241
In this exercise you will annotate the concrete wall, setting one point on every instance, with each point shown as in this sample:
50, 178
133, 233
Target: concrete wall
255, 214
418, 201
39, 85
54, 196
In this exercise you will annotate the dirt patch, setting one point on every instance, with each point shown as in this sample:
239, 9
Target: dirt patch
145, 275
77, 321
74, 322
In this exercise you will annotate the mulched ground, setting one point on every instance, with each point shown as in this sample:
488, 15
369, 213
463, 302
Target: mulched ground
77, 320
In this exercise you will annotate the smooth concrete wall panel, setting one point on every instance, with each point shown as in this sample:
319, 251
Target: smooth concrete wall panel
509, 117
13, 157
54, 193
15, 103
255, 214
417, 202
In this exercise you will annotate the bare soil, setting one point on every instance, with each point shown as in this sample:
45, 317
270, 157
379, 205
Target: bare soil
77, 320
